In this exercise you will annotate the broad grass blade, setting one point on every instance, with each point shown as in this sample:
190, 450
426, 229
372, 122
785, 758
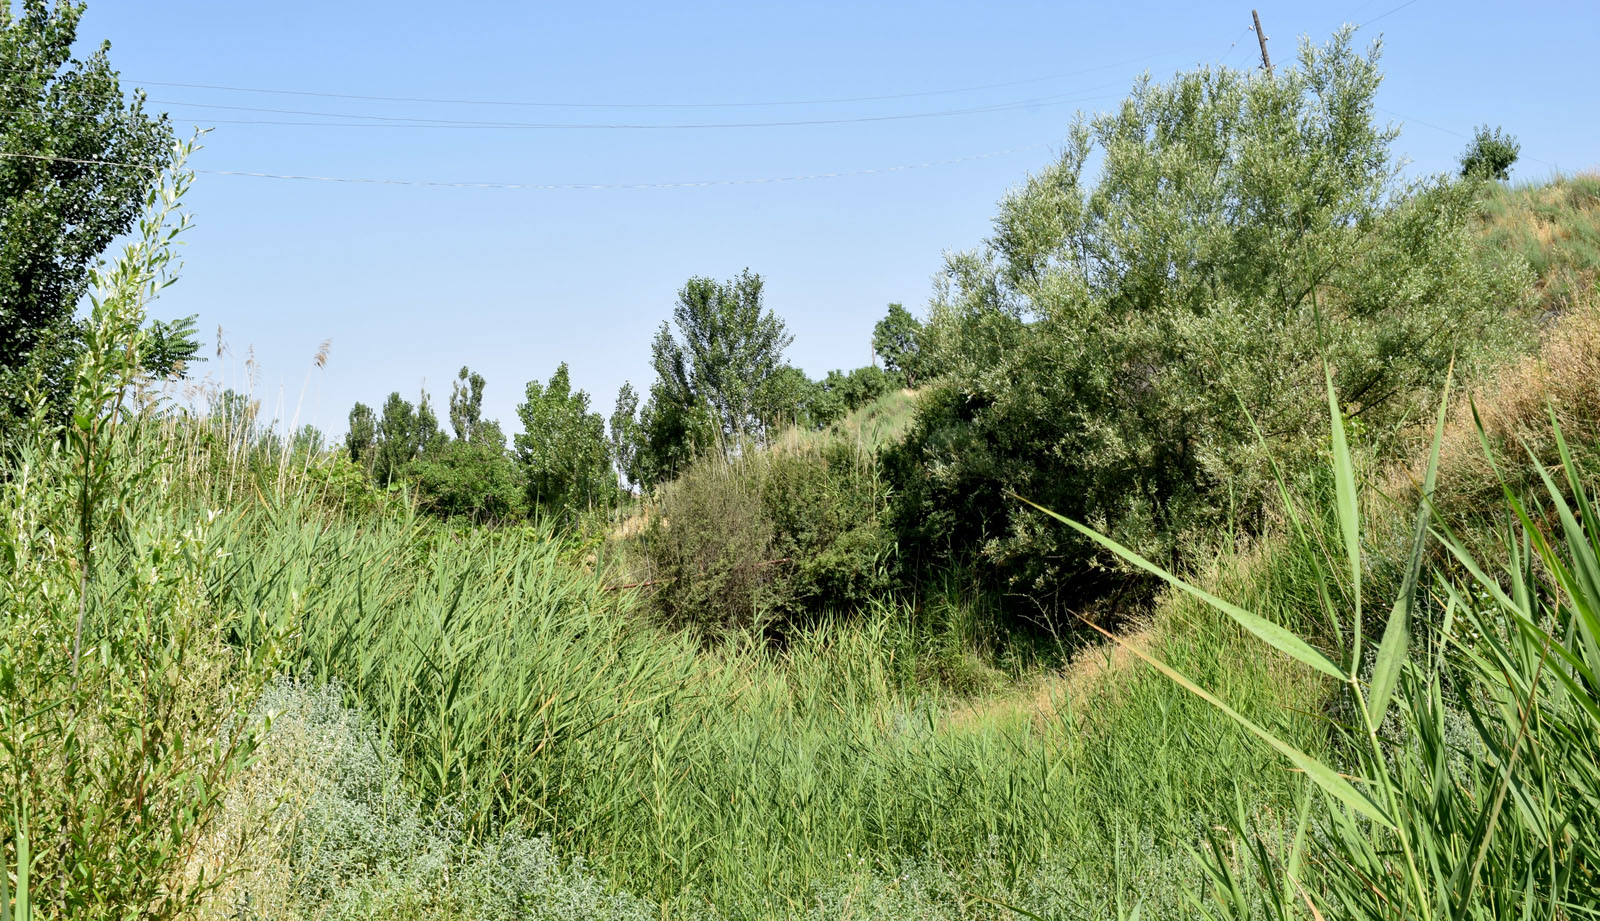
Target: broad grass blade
1324, 776
1268, 632
1397, 635
1348, 507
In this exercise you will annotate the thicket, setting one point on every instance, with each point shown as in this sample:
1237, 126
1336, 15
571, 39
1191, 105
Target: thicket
769, 541
1137, 351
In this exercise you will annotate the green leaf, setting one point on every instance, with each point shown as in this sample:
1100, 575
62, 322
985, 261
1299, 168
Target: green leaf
1397, 635
1349, 509
1321, 774
1268, 632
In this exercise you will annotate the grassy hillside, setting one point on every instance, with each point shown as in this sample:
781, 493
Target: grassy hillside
240, 681
1555, 226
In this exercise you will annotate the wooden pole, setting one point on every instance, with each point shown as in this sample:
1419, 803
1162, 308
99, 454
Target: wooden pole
1266, 62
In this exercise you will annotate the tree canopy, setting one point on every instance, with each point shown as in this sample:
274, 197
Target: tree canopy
563, 450
728, 346
68, 136
1118, 344
897, 340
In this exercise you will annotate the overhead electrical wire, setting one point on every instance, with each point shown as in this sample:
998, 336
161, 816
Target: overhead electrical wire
380, 121
433, 100
1385, 14
548, 187
389, 121
426, 121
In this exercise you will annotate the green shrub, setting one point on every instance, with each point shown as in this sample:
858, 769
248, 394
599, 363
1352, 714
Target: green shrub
767, 540
839, 394
711, 549
473, 480
1490, 155
827, 506
122, 702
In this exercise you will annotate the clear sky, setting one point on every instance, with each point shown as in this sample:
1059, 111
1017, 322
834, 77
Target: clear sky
411, 281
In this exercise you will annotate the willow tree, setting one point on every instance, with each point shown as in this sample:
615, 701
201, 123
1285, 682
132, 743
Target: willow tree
1134, 344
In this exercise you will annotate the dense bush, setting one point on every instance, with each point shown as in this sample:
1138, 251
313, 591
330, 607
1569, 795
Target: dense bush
839, 394
473, 480
1133, 352
827, 507
710, 546
763, 540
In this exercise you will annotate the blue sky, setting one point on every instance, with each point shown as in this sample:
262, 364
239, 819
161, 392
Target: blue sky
410, 282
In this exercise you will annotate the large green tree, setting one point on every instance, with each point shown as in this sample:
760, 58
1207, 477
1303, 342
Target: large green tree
363, 435
77, 159
466, 402
625, 434
897, 339
562, 450
727, 348
1121, 340
404, 434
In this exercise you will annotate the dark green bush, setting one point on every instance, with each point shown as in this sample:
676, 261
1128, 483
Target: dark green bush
464, 479
840, 394
1490, 155
827, 506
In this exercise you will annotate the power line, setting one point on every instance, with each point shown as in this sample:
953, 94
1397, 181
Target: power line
1222, 59
1452, 131
1382, 15
1426, 124
550, 187
405, 121
434, 100
385, 121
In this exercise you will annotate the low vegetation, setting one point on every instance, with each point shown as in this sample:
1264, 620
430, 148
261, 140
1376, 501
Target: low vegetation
1156, 574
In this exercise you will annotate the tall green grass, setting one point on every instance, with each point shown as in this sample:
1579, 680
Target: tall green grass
122, 701
517, 691
1466, 782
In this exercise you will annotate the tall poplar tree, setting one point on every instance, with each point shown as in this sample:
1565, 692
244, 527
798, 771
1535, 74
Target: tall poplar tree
77, 159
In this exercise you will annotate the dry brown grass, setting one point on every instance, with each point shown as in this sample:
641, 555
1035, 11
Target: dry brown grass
1514, 409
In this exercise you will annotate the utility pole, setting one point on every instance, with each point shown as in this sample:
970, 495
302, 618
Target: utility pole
1266, 62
